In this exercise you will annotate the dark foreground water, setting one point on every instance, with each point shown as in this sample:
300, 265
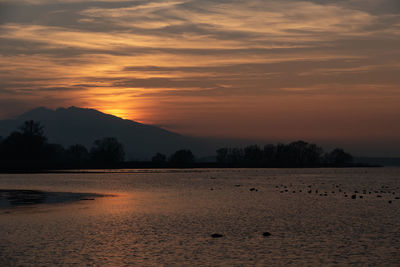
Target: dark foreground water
153, 218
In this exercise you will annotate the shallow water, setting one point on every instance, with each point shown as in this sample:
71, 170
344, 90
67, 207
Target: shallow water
167, 217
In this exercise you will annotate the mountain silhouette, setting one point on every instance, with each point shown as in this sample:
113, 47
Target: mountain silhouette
73, 125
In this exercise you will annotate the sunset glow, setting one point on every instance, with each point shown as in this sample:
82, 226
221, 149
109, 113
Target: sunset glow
270, 70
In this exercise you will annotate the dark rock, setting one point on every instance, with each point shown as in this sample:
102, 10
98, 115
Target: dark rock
216, 235
353, 197
267, 234
390, 202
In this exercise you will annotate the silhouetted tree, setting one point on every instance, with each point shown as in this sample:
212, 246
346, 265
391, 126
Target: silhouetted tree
107, 151
182, 157
303, 154
26, 144
295, 154
253, 155
77, 154
222, 155
32, 128
338, 158
159, 158
269, 155
282, 156
235, 156
1, 148
55, 153
313, 155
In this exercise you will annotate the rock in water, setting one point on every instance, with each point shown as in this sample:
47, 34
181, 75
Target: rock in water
216, 235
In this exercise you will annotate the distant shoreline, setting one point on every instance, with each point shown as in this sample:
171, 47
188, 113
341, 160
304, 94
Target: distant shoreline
142, 169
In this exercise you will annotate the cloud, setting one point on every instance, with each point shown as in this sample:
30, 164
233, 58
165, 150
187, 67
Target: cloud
172, 55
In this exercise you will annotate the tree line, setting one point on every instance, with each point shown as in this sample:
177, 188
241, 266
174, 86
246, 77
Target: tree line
27, 148
295, 154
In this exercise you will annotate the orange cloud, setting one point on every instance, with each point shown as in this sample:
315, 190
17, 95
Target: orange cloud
252, 69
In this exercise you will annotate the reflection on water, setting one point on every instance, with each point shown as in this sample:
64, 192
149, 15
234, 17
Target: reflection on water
18, 197
168, 217
21, 197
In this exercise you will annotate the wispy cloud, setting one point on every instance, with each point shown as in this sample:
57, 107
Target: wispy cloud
155, 56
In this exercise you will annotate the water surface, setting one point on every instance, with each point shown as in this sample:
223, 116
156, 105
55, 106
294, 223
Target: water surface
166, 217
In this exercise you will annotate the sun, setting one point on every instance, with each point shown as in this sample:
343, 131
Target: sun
117, 102
113, 104
121, 113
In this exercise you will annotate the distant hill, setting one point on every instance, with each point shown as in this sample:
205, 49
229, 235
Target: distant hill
68, 126
73, 125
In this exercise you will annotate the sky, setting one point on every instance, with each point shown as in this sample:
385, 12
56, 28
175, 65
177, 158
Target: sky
326, 71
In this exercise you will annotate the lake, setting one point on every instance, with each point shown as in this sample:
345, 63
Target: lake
316, 217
